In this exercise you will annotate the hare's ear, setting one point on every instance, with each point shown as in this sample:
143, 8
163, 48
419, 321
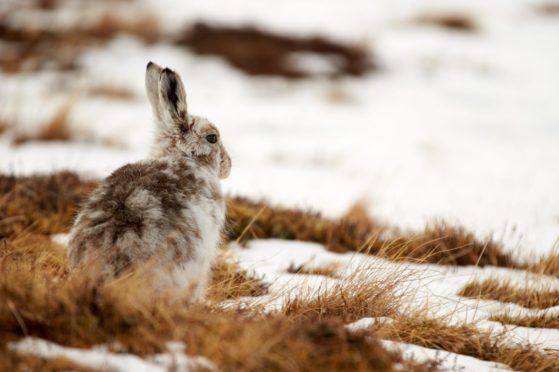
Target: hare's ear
172, 98
153, 71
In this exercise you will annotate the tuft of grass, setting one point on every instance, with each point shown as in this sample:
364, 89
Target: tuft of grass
466, 339
350, 300
450, 21
330, 270
549, 9
531, 321
30, 49
259, 52
112, 91
357, 232
230, 281
56, 129
492, 289
546, 266
22, 362
45, 204
4, 126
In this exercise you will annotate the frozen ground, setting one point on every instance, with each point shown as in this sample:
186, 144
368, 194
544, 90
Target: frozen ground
462, 127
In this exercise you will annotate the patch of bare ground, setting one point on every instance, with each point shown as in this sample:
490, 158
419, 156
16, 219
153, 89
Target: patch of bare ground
503, 291
40, 300
467, 340
330, 270
449, 21
259, 52
532, 321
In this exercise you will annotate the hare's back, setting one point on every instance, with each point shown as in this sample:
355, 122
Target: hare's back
138, 210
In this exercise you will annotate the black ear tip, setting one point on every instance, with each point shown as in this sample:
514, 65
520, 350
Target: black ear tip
167, 70
150, 63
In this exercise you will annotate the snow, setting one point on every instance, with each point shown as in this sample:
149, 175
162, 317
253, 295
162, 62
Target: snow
100, 358
459, 127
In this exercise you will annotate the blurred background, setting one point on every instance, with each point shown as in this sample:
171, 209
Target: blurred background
422, 110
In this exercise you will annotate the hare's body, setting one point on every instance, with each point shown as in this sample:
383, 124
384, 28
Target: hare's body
164, 214
168, 212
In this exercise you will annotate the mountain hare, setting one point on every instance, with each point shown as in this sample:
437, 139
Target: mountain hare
165, 212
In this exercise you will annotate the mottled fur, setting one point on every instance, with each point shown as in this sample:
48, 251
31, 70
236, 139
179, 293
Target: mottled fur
164, 213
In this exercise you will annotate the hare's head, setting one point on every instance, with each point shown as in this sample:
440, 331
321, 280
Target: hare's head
178, 132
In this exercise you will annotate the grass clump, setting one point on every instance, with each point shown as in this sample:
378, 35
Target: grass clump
44, 204
40, 300
330, 270
47, 204
259, 52
492, 289
531, 321
466, 340
230, 281
548, 265
30, 49
450, 21
56, 129
357, 232
23, 362
350, 300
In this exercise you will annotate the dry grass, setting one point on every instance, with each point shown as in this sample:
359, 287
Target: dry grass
467, 340
350, 300
416, 327
330, 270
111, 91
56, 129
230, 281
492, 289
40, 300
550, 9
4, 126
534, 321
45, 204
450, 21
259, 52
357, 232
29, 49
546, 266
20, 362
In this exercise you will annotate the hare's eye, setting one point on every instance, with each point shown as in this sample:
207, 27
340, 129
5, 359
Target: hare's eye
211, 138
